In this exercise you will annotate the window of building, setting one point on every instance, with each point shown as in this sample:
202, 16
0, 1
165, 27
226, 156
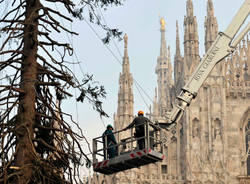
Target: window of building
164, 169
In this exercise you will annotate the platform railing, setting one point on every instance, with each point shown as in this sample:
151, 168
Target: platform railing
129, 143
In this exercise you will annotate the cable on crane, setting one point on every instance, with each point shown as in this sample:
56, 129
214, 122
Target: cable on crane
76, 106
120, 62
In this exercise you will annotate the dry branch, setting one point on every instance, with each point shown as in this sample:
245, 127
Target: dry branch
53, 150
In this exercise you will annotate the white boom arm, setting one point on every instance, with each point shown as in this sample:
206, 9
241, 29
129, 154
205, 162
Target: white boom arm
223, 45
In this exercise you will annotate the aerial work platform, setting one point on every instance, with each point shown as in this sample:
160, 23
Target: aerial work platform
128, 154
126, 161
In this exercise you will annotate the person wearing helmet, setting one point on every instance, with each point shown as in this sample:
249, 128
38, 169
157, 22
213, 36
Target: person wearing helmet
111, 143
139, 123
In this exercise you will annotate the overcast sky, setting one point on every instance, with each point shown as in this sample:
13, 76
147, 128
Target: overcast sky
140, 20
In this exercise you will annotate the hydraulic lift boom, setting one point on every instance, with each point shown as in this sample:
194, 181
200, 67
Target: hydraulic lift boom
224, 44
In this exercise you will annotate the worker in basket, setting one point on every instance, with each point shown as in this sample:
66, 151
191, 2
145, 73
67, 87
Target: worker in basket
111, 143
139, 123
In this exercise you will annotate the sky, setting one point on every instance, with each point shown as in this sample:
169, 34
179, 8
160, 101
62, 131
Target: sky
140, 20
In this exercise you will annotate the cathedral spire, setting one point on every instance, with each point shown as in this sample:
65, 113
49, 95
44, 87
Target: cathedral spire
178, 63
211, 26
177, 50
163, 50
191, 40
125, 45
125, 109
189, 8
211, 31
210, 8
125, 64
164, 73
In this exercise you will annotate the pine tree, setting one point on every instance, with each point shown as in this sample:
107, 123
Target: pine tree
37, 144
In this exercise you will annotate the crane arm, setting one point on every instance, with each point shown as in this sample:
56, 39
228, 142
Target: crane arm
224, 44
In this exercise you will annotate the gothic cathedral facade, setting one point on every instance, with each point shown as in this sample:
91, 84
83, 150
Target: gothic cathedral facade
211, 145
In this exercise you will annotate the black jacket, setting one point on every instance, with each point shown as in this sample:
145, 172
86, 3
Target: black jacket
139, 123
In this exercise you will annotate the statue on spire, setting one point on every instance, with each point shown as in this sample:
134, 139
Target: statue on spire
162, 22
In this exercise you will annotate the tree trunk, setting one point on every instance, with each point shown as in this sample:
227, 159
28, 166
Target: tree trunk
25, 152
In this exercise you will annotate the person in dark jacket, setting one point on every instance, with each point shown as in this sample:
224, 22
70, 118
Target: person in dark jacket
111, 142
139, 123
